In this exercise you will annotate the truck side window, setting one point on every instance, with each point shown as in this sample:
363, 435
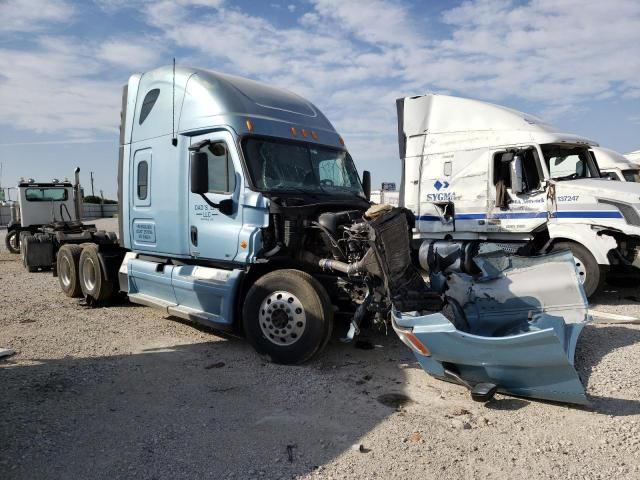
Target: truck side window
143, 179
531, 170
148, 103
222, 177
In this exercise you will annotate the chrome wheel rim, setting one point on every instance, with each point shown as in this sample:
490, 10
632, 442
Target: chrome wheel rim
282, 318
89, 274
14, 241
581, 270
64, 271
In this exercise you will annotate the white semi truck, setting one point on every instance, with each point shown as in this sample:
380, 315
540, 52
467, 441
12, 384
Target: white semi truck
54, 205
633, 156
615, 166
477, 174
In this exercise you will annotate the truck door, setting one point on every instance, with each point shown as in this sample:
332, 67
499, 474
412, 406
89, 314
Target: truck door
436, 194
511, 210
212, 234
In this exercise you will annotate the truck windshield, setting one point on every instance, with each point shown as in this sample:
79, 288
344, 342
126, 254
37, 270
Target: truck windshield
300, 167
568, 163
46, 194
631, 175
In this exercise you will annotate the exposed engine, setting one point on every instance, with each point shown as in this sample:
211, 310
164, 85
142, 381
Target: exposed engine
363, 258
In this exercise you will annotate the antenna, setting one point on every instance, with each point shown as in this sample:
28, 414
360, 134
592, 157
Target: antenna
174, 140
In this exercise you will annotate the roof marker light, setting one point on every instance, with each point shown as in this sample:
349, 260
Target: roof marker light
341, 140
305, 134
249, 125
314, 135
294, 132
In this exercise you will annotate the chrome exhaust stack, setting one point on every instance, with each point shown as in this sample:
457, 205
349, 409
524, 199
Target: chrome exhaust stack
77, 193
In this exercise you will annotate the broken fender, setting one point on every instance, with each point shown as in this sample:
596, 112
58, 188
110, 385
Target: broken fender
515, 325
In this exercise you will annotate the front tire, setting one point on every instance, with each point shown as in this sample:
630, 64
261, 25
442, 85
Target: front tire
67, 266
12, 241
589, 274
93, 279
287, 315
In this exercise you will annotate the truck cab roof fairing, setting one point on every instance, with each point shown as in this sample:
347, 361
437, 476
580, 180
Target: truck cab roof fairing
449, 122
205, 100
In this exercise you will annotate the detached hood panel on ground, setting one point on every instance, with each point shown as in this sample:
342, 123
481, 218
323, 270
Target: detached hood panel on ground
516, 326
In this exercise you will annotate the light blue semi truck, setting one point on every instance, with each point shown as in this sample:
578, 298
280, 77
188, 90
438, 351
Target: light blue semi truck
240, 206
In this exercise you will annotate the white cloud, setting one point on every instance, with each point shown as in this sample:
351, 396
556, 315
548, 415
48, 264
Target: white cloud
384, 22
291, 8
133, 54
56, 87
32, 15
553, 52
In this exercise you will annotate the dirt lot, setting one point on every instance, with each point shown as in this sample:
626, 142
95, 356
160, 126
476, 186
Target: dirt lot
124, 392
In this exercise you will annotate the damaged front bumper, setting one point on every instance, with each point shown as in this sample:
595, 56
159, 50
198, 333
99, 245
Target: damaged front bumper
517, 325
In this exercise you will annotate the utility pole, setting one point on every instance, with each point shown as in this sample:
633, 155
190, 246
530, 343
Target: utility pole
101, 204
92, 194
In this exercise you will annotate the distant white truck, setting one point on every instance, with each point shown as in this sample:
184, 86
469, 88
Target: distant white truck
634, 156
54, 204
615, 166
476, 174
389, 197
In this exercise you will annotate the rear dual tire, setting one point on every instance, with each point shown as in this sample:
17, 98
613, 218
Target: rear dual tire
93, 279
81, 273
67, 266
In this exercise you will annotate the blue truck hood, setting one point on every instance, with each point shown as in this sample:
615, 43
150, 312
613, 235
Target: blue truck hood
515, 326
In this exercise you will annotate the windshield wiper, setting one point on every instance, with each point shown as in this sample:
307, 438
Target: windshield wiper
572, 176
293, 189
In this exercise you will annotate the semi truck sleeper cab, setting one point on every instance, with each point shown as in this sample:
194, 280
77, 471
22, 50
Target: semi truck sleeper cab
239, 208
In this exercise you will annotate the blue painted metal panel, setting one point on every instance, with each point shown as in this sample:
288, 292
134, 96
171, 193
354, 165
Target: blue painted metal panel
217, 233
533, 364
163, 213
516, 332
152, 279
209, 290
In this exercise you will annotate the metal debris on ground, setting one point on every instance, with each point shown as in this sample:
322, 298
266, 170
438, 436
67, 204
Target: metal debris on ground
6, 352
290, 449
606, 317
215, 365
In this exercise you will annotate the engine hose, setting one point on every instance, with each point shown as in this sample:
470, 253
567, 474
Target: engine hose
273, 251
336, 265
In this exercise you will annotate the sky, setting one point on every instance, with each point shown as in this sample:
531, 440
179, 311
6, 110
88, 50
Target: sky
575, 63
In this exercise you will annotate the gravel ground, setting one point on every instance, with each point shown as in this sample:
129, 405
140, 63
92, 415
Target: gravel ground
124, 392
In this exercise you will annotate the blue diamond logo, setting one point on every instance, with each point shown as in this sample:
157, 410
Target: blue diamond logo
438, 185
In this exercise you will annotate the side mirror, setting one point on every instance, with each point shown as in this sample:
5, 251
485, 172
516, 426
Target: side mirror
199, 173
366, 184
517, 185
226, 206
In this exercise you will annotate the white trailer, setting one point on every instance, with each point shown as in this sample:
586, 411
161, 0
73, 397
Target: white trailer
475, 173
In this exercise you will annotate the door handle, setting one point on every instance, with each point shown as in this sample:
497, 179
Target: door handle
194, 236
